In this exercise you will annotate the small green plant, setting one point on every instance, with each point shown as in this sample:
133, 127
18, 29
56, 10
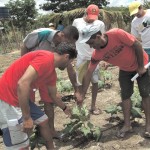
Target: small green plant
36, 141
113, 109
80, 124
105, 78
136, 104
64, 86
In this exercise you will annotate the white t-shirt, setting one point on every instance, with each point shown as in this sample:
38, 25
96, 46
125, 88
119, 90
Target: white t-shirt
84, 50
140, 28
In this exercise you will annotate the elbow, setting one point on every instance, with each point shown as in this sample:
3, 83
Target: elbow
22, 86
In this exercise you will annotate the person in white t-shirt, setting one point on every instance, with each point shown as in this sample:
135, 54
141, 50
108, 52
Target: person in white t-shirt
140, 26
85, 52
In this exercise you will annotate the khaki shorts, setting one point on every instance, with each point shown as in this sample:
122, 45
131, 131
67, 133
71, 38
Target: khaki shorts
81, 68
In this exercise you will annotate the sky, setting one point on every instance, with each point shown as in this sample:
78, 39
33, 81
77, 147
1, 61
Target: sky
112, 3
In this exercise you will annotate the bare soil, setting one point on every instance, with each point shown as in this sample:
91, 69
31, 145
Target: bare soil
106, 97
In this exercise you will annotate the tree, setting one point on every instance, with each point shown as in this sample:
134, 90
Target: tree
66, 5
22, 12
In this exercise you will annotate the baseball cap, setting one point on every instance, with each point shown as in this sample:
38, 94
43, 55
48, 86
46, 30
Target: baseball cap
88, 31
92, 12
134, 7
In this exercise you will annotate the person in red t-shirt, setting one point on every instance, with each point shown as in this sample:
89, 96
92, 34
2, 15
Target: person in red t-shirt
121, 49
17, 85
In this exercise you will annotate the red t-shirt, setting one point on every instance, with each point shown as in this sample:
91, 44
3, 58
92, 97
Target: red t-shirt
118, 51
42, 61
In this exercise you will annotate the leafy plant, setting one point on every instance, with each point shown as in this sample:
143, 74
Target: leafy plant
80, 124
36, 141
136, 104
64, 86
105, 78
113, 109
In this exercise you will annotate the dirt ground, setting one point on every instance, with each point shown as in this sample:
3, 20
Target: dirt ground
106, 97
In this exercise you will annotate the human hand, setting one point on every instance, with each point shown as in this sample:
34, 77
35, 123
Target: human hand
79, 99
27, 125
141, 71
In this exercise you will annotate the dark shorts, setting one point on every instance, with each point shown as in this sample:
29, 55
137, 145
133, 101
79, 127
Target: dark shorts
126, 84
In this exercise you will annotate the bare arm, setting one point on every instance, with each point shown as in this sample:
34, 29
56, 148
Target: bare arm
57, 100
139, 54
23, 91
72, 75
85, 84
24, 50
86, 80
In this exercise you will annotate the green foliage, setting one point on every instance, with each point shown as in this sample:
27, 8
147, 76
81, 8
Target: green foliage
146, 4
36, 141
136, 112
23, 13
136, 98
101, 84
64, 86
63, 5
136, 104
80, 123
105, 76
113, 109
81, 114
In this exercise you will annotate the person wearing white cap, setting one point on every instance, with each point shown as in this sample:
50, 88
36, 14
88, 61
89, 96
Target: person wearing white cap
85, 52
121, 49
140, 26
51, 26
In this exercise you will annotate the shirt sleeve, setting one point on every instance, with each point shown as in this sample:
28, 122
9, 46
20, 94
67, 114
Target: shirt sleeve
94, 60
102, 29
74, 23
125, 37
31, 40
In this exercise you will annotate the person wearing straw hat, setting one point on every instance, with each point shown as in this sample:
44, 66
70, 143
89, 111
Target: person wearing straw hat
85, 52
140, 26
121, 49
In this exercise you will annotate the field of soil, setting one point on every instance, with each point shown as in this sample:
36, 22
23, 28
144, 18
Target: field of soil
106, 97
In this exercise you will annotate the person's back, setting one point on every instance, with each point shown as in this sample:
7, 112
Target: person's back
40, 39
48, 39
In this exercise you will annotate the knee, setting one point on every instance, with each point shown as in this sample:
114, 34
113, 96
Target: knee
44, 123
